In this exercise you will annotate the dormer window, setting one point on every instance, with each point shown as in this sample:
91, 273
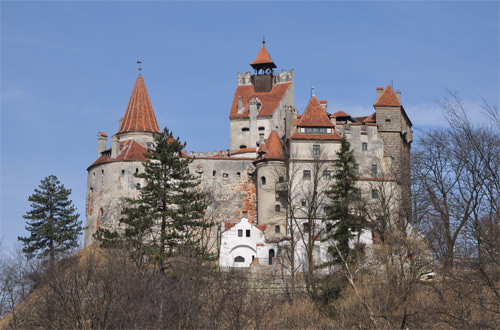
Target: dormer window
316, 130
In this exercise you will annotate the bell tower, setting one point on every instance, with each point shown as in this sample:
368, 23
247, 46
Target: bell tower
262, 79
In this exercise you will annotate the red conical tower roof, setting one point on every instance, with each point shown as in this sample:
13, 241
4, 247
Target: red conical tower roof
272, 148
388, 98
314, 115
140, 116
263, 60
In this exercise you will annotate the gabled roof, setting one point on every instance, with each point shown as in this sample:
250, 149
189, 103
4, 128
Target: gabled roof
263, 59
129, 151
314, 115
139, 116
272, 149
269, 100
388, 98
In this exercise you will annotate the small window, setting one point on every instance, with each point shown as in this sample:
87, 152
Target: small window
329, 227
243, 146
245, 129
281, 179
102, 171
357, 193
277, 208
306, 227
238, 174
263, 180
136, 170
225, 175
93, 173
356, 169
303, 202
327, 175
364, 146
262, 128
150, 145
239, 259
240, 232
316, 149
248, 233
214, 172
123, 172
374, 193
374, 169
388, 120
307, 175
91, 189
277, 229
138, 185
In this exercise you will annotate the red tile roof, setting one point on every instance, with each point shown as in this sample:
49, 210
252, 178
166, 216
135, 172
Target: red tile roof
129, 151
297, 136
262, 227
228, 225
371, 118
269, 100
314, 115
388, 98
244, 151
262, 57
340, 113
139, 116
272, 148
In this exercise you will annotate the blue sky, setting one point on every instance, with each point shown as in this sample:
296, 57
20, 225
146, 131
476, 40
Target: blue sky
67, 70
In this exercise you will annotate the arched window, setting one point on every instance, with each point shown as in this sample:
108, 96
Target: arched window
364, 146
277, 208
239, 259
271, 256
263, 180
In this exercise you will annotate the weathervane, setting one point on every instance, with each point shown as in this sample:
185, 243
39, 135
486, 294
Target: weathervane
139, 61
312, 91
263, 38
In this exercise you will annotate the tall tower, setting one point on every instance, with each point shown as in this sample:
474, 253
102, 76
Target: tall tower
111, 177
394, 127
259, 104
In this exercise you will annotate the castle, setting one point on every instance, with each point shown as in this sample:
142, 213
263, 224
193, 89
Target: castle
277, 167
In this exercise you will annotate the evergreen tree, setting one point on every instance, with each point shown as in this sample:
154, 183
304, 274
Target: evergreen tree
168, 215
342, 194
52, 220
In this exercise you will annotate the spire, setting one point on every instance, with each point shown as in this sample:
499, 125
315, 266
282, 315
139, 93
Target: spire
140, 116
263, 60
388, 98
314, 115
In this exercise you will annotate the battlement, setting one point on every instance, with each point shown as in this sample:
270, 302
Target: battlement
220, 153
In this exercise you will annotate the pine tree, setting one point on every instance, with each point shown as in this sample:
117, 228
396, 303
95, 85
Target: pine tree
342, 194
169, 213
52, 221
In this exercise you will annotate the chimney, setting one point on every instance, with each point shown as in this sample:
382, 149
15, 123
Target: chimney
324, 104
380, 90
102, 141
398, 95
115, 147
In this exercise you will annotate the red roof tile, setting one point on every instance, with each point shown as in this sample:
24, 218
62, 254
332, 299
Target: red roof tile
262, 227
263, 57
228, 225
139, 116
314, 115
340, 113
272, 148
244, 151
129, 151
297, 136
388, 98
371, 118
269, 100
